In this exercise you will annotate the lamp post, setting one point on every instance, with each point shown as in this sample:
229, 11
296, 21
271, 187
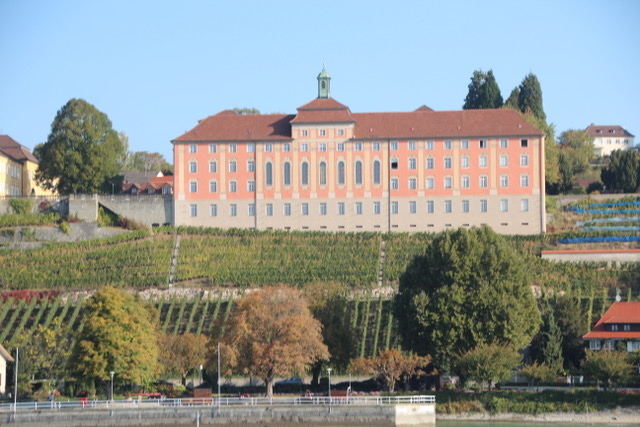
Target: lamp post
329, 373
112, 374
200, 375
15, 387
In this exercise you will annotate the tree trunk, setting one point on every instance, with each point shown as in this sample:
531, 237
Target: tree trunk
315, 374
269, 384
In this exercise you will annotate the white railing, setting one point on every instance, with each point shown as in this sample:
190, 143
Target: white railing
224, 401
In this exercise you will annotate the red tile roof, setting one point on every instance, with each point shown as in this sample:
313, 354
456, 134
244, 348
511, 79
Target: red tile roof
422, 123
608, 131
618, 313
16, 151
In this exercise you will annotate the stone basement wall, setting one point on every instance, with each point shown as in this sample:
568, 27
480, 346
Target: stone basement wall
149, 210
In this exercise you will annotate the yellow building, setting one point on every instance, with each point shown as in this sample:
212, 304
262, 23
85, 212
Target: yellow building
18, 170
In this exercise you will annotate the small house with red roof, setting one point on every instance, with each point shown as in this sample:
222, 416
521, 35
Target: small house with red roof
139, 183
5, 358
620, 324
609, 138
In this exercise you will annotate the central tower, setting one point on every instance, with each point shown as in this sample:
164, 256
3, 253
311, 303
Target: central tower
324, 84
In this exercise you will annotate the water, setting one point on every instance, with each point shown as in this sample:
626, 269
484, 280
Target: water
522, 424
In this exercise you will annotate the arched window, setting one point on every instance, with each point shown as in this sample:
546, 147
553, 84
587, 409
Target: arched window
377, 178
341, 173
287, 174
268, 174
304, 173
358, 177
322, 173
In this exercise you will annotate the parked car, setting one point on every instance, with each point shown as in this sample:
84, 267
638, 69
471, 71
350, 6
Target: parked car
290, 382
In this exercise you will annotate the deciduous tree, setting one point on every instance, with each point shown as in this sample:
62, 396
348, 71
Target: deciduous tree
391, 366
607, 366
183, 353
538, 373
469, 288
118, 334
82, 153
272, 332
488, 363
46, 351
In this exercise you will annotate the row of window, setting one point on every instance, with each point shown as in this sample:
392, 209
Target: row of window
412, 163
412, 184
357, 146
376, 208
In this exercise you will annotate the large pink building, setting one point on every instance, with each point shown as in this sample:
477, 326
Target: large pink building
326, 168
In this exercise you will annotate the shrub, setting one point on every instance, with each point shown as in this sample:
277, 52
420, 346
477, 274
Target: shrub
64, 226
21, 206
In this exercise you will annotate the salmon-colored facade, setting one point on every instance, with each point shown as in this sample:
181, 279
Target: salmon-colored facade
326, 168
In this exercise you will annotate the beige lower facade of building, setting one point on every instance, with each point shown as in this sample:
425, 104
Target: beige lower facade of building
506, 214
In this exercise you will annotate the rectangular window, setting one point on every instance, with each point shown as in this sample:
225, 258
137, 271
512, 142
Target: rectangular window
193, 148
626, 328
412, 207
251, 148
358, 208
394, 207
484, 181
194, 210
413, 163
483, 143
341, 208
233, 166
269, 209
357, 146
447, 162
524, 205
287, 209
412, 145
447, 145
376, 146
323, 208
524, 180
213, 166
504, 143
322, 147
304, 147
394, 145
268, 148
413, 183
447, 206
213, 210
304, 132
430, 183
252, 209
233, 186
465, 206
213, 186
483, 205
394, 183
524, 160
322, 132
430, 206
251, 186
482, 161
504, 205
251, 166
429, 145
464, 144
213, 148
504, 181
304, 209
447, 182
193, 166
193, 186
430, 163
340, 146
594, 345
233, 148
233, 209
340, 132
524, 143
286, 147
376, 208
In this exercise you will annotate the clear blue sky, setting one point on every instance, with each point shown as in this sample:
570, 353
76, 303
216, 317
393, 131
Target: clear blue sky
157, 67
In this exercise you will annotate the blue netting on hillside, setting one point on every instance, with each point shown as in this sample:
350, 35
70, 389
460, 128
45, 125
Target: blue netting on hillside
613, 228
599, 239
603, 205
606, 211
603, 220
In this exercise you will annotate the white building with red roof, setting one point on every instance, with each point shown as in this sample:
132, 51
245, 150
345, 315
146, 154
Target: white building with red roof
328, 168
620, 324
5, 358
609, 138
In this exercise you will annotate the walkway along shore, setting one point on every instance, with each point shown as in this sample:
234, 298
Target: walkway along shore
318, 411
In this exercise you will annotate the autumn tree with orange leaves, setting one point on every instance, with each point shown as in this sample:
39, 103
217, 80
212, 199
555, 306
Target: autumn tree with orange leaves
391, 366
271, 333
183, 353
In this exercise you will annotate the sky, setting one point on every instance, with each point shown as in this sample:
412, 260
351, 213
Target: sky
157, 67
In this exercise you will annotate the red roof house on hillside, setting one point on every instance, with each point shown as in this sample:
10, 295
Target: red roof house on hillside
621, 323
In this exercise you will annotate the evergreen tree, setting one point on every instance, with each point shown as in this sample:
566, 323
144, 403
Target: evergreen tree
571, 321
622, 174
552, 342
82, 153
530, 97
483, 92
512, 100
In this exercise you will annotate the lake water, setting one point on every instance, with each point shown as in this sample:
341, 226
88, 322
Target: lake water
520, 424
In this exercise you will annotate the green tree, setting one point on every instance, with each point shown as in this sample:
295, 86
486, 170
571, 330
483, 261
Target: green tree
469, 288
142, 161
488, 363
182, 353
580, 146
571, 321
549, 341
118, 334
271, 332
622, 174
82, 153
391, 366
246, 111
607, 366
512, 100
483, 92
530, 97
539, 373
328, 303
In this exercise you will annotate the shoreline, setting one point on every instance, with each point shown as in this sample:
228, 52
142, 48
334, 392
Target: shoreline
617, 416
